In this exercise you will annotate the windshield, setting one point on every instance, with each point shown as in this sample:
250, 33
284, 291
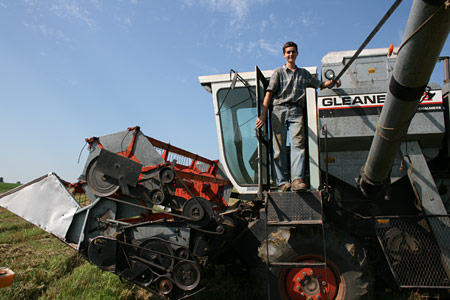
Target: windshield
237, 111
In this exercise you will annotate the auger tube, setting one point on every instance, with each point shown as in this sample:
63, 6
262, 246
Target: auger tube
425, 35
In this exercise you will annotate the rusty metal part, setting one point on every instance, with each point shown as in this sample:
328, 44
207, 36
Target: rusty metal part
164, 285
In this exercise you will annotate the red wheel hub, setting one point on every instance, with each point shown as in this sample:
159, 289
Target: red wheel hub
309, 283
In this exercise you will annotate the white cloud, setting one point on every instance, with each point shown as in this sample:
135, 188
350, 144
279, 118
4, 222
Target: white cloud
257, 48
41, 16
52, 32
163, 19
236, 9
252, 46
307, 18
273, 19
272, 48
264, 24
127, 20
71, 9
239, 47
97, 4
124, 20
47, 31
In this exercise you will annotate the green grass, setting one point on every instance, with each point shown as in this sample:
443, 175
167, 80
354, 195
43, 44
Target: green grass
4, 187
95, 284
48, 269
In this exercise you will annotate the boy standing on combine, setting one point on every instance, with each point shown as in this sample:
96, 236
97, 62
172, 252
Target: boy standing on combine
287, 88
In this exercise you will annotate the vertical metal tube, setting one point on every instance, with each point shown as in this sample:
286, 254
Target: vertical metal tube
446, 69
325, 134
425, 34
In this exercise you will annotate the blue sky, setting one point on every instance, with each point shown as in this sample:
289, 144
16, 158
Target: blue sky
75, 69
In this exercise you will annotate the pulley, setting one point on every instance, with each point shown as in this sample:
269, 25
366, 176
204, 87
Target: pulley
157, 197
186, 275
99, 183
199, 210
102, 252
164, 285
157, 252
166, 175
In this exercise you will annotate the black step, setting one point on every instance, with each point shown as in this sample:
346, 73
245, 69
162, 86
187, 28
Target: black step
292, 208
298, 264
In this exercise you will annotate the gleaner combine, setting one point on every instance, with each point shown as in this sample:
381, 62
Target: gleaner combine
378, 170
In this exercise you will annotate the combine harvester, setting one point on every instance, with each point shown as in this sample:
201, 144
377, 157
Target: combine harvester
375, 211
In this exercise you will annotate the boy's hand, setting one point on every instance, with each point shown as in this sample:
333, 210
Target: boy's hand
260, 121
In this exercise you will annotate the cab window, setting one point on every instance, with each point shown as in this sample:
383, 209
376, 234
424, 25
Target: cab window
237, 112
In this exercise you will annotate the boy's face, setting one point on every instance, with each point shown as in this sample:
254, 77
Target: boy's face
290, 54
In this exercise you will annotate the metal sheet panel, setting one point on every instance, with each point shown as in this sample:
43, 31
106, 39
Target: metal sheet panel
313, 139
45, 202
426, 190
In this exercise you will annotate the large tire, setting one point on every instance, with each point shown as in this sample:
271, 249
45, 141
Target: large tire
347, 276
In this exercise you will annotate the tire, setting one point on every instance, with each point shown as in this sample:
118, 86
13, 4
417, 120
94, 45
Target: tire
346, 276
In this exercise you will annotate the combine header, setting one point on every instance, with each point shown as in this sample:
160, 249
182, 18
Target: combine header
143, 209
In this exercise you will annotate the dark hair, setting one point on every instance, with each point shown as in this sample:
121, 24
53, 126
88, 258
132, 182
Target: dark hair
290, 44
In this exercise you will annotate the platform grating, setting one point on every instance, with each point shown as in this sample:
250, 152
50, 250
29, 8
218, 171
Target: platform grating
414, 256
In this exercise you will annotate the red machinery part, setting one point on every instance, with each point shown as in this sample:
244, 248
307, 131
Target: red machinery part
195, 176
309, 282
6, 277
203, 183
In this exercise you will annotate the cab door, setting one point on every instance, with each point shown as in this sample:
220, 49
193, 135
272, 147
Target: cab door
238, 100
263, 135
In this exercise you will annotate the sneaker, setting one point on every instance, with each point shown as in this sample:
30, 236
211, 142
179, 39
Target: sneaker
298, 185
285, 187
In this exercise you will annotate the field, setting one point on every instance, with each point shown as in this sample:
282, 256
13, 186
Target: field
48, 269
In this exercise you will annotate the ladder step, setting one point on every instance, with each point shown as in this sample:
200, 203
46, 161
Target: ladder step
291, 209
294, 207
290, 223
298, 264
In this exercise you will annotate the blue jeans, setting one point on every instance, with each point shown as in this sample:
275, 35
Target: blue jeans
288, 120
